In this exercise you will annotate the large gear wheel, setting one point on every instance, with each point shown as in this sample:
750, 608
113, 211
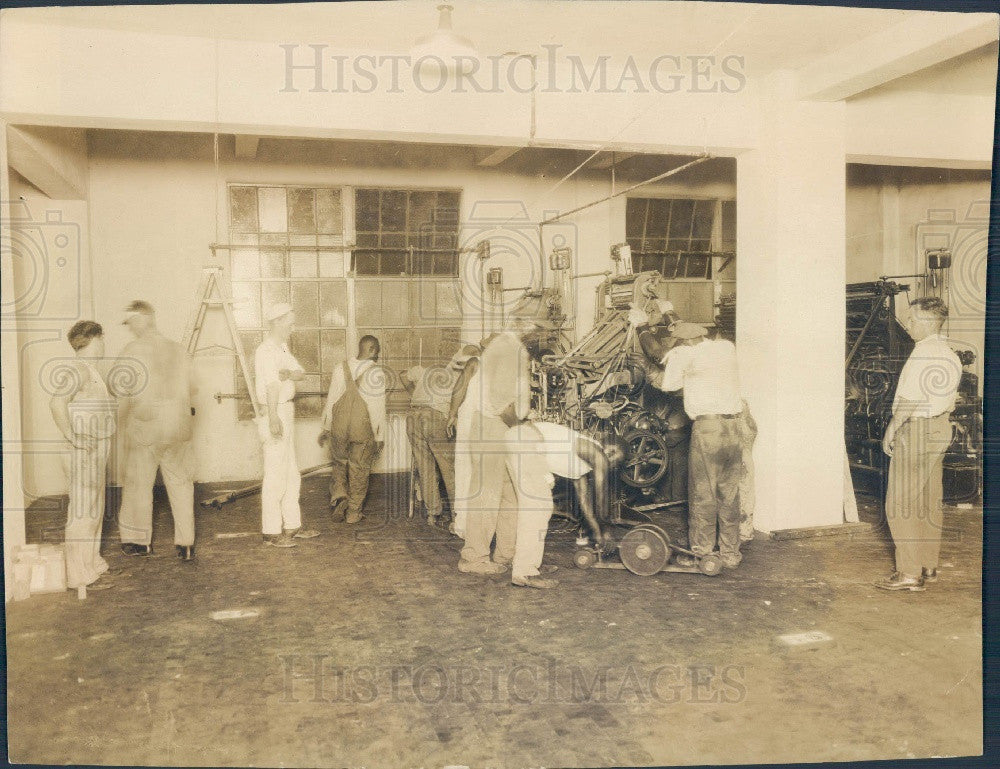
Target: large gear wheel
646, 459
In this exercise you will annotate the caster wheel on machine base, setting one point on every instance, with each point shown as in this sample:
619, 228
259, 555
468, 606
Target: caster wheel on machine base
584, 559
710, 565
645, 550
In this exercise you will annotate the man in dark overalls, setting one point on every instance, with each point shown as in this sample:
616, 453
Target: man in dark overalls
354, 426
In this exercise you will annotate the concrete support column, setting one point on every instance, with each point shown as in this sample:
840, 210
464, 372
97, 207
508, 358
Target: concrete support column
13, 478
791, 274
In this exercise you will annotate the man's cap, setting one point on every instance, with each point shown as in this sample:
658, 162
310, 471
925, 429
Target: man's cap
137, 307
276, 311
688, 331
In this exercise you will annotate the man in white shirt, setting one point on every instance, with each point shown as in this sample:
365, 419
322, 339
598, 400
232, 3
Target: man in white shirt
705, 369
275, 373
427, 427
354, 426
916, 439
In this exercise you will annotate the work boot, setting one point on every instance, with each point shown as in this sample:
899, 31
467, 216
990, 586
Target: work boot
99, 585
899, 581
731, 561
486, 567
538, 582
337, 509
354, 517
548, 568
278, 540
301, 533
929, 575
687, 561
185, 552
131, 548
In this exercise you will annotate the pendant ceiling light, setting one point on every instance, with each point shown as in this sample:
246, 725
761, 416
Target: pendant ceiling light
444, 44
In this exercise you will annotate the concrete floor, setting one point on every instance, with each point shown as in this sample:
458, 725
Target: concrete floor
422, 666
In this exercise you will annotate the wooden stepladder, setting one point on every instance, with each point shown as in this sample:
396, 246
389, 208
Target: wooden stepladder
212, 294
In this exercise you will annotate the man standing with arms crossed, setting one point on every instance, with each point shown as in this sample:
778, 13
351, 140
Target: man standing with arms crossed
156, 416
354, 426
917, 437
275, 373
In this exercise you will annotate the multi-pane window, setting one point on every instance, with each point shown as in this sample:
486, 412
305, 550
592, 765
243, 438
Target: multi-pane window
289, 246
406, 286
692, 243
406, 232
674, 236
398, 280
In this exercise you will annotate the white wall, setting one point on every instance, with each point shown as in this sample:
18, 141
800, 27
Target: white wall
894, 214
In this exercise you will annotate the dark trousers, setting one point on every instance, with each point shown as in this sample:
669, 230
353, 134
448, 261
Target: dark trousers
913, 498
352, 467
433, 454
674, 486
714, 466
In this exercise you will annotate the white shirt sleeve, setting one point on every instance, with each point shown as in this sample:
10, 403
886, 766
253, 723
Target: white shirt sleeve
371, 383
930, 377
265, 370
291, 363
337, 388
675, 363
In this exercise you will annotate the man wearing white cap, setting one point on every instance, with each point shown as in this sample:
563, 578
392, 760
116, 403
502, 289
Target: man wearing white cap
427, 427
705, 369
275, 373
156, 414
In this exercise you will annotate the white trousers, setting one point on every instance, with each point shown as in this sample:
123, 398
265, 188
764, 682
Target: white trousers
466, 464
85, 470
279, 494
533, 482
176, 464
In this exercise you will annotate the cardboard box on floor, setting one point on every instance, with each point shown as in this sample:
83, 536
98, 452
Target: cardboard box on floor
39, 569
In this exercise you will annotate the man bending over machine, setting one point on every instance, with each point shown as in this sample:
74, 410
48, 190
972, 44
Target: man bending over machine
536, 453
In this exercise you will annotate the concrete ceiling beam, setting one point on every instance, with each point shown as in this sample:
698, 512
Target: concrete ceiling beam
919, 42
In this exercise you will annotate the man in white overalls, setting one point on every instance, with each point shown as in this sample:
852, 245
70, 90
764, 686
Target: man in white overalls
275, 373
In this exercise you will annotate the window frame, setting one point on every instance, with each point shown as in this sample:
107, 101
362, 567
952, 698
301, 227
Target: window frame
318, 379
453, 326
